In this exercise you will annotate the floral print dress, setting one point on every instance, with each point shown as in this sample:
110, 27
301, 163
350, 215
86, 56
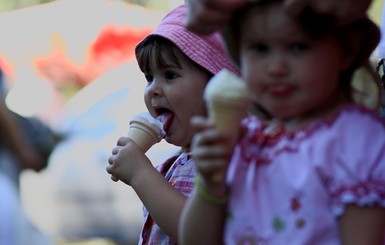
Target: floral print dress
290, 188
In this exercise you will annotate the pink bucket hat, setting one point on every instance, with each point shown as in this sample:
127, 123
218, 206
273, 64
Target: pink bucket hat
207, 51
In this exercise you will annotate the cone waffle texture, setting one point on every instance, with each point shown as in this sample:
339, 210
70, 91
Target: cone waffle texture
145, 131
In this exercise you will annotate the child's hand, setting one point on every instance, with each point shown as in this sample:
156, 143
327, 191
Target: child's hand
127, 161
210, 150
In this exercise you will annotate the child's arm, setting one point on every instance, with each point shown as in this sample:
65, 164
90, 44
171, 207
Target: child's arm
362, 225
129, 164
201, 222
203, 216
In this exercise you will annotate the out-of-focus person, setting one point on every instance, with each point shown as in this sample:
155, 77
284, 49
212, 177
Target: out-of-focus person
15, 155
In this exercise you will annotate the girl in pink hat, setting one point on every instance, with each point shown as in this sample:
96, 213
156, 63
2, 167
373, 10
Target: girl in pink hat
177, 64
315, 172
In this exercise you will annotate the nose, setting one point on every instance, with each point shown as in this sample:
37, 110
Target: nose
153, 89
277, 65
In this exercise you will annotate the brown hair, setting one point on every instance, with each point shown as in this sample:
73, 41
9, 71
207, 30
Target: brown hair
158, 47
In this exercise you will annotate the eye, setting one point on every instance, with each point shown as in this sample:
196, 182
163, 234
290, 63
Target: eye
149, 78
298, 47
259, 47
170, 75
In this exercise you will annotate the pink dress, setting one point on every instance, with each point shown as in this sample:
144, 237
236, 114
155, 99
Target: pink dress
290, 188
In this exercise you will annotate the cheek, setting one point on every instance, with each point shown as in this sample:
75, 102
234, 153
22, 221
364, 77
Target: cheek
147, 101
250, 77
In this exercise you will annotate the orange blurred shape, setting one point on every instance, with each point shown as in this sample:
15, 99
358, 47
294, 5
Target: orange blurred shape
112, 47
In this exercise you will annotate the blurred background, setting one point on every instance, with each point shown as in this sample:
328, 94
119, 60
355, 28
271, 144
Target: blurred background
71, 64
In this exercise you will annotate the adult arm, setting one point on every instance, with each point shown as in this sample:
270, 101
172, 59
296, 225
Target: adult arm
207, 16
15, 140
362, 225
164, 203
345, 11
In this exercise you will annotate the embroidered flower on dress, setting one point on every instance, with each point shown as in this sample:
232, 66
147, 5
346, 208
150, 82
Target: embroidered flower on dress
295, 204
300, 223
278, 224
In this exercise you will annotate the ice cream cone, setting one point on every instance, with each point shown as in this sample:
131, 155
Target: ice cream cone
226, 116
227, 99
145, 131
142, 135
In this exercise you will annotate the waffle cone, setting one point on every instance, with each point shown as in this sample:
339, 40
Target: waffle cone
143, 135
226, 115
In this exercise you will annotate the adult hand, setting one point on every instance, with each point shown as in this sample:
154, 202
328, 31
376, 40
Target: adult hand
206, 16
345, 11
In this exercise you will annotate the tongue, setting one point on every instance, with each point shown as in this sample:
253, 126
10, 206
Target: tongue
166, 119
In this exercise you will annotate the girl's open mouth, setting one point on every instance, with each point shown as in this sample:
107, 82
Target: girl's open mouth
166, 117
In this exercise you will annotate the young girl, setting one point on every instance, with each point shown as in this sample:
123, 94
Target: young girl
177, 65
315, 172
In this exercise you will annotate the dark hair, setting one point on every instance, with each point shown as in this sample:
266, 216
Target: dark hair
358, 38
158, 47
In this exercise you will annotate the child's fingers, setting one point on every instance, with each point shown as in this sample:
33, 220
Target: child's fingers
200, 123
115, 150
110, 168
210, 150
111, 159
123, 141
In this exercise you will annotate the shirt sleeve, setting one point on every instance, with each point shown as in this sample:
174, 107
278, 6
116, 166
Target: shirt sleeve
356, 168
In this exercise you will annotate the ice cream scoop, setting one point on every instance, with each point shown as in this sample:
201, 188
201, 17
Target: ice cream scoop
227, 98
145, 131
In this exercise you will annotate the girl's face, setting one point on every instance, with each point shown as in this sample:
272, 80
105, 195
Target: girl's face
174, 94
290, 74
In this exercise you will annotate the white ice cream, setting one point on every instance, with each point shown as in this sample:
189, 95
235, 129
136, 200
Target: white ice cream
146, 119
228, 87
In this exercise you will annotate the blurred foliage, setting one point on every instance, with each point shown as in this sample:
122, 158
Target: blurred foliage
375, 11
